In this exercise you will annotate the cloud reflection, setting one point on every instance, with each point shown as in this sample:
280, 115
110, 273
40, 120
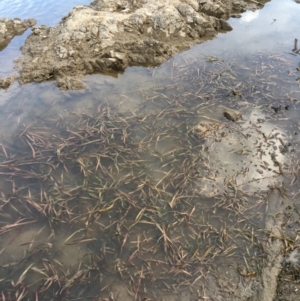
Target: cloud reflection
250, 16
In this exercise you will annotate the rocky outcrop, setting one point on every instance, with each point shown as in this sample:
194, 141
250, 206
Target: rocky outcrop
12, 27
110, 35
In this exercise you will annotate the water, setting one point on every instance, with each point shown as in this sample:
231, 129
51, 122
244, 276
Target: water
110, 192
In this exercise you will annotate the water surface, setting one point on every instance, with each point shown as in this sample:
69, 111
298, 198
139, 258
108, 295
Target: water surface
111, 192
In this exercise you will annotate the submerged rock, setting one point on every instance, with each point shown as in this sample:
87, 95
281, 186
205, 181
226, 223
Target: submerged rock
6, 82
232, 115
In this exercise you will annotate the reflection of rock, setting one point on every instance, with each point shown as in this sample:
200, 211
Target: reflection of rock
67, 83
10, 28
110, 35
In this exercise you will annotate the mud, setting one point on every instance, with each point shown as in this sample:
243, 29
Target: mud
108, 36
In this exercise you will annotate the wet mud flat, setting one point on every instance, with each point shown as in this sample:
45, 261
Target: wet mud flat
153, 193
107, 35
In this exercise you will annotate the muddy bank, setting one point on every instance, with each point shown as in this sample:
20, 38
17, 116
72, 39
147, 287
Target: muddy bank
110, 35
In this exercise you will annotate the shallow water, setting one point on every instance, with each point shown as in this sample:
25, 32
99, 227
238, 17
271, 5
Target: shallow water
110, 190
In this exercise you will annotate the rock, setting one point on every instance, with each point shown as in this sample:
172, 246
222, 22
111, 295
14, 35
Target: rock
6, 82
216, 9
225, 25
193, 3
61, 52
232, 115
39, 30
239, 6
12, 27
110, 35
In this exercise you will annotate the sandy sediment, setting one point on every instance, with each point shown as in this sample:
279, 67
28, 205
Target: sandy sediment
110, 35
